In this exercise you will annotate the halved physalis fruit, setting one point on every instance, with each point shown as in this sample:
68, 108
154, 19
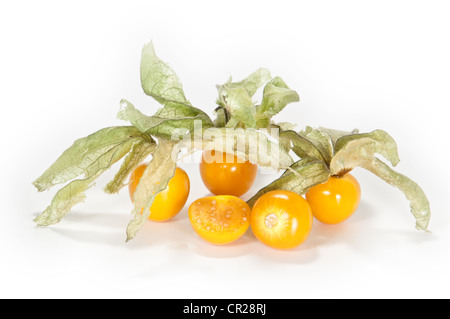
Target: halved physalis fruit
220, 219
281, 219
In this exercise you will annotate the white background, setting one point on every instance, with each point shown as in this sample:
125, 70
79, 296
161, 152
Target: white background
356, 64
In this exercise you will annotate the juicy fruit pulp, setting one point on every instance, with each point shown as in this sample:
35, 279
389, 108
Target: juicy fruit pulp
168, 203
281, 219
336, 200
226, 174
220, 219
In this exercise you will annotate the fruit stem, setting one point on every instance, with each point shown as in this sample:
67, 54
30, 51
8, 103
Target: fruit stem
342, 172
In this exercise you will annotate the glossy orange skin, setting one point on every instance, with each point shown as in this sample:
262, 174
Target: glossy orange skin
220, 219
281, 219
226, 175
168, 203
336, 200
